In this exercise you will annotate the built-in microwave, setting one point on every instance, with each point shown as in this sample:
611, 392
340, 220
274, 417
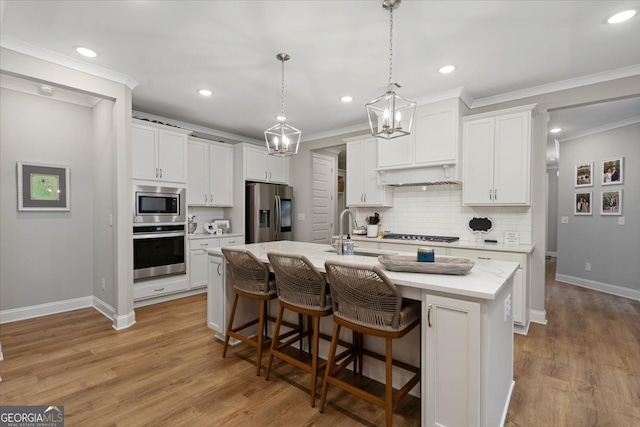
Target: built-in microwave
158, 204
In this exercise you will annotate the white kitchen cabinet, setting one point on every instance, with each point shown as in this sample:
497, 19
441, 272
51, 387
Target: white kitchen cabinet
159, 287
159, 152
519, 303
216, 305
261, 167
362, 178
452, 362
434, 140
198, 263
497, 157
210, 174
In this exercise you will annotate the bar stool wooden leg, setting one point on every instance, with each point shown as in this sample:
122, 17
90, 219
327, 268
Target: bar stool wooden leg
389, 381
329, 368
314, 358
274, 340
230, 325
261, 326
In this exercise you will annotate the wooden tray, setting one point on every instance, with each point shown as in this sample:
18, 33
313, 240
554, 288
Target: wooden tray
442, 265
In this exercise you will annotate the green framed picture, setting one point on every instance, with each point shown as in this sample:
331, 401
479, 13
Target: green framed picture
43, 187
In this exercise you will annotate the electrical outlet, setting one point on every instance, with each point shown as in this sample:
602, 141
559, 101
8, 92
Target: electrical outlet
621, 220
587, 266
564, 219
104, 285
301, 217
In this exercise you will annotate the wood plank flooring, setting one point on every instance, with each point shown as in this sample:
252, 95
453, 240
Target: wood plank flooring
582, 369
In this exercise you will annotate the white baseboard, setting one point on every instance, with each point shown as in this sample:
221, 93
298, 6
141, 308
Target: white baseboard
124, 322
599, 286
506, 406
23, 313
538, 316
104, 308
552, 254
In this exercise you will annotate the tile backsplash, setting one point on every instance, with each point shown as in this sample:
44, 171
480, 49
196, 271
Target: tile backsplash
205, 214
438, 210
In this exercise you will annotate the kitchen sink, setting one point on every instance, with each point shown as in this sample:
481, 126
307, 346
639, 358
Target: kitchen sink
366, 252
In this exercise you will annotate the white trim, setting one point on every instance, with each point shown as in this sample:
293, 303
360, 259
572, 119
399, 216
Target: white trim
23, 313
104, 308
196, 128
552, 254
19, 46
124, 322
529, 107
521, 329
599, 286
171, 297
603, 128
459, 92
538, 316
605, 76
338, 132
506, 406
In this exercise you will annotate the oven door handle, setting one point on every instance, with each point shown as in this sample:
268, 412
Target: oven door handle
158, 235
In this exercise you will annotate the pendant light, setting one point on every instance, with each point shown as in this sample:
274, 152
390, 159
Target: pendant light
282, 139
391, 115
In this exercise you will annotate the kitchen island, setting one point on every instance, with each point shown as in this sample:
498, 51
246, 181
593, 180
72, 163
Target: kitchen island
465, 339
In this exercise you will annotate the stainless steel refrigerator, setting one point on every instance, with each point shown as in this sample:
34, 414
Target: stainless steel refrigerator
269, 210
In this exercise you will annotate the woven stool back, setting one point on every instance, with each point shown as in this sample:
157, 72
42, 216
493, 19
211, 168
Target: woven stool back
249, 274
298, 282
364, 295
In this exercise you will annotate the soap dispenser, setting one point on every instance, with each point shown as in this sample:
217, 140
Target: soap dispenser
348, 246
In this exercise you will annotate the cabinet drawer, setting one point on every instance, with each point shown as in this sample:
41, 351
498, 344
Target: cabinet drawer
152, 289
498, 256
231, 241
411, 248
196, 244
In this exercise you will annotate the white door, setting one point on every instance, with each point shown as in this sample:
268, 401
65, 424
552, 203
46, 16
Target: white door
198, 188
324, 173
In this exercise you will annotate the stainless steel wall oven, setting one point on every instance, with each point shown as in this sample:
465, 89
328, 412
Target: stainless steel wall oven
158, 250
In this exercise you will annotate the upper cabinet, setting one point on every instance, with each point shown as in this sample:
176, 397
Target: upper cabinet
261, 167
497, 157
159, 152
362, 178
210, 174
431, 152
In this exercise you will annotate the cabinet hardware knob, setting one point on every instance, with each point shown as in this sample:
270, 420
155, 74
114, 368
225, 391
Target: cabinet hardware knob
158, 290
429, 316
490, 195
204, 244
160, 172
231, 241
156, 172
210, 198
482, 257
218, 269
495, 194
205, 198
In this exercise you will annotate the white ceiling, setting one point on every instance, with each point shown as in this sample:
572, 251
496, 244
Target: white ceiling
174, 48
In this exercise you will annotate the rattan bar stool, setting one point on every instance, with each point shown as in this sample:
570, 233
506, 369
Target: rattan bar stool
251, 279
366, 301
301, 289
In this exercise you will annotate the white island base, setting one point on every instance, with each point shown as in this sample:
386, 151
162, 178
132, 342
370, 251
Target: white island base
466, 335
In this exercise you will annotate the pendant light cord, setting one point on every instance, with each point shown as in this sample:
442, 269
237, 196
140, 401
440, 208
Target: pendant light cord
282, 93
390, 47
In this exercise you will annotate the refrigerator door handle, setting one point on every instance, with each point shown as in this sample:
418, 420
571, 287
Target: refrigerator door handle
277, 219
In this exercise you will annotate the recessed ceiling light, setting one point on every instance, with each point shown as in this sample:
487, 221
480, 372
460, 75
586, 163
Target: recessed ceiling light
205, 92
621, 17
281, 118
447, 69
346, 98
86, 52
555, 130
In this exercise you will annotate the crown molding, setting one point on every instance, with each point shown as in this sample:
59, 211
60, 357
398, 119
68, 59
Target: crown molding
619, 73
459, 92
603, 128
19, 46
337, 132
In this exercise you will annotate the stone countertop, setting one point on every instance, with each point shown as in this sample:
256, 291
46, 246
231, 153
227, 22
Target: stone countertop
460, 244
484, 281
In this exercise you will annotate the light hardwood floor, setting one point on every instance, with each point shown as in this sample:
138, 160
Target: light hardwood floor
581, 369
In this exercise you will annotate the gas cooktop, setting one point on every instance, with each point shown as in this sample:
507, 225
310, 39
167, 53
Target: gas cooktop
419, 237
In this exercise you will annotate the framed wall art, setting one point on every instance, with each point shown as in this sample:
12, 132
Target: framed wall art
611, 203
584, 175
612, 171
43, 187
582, 203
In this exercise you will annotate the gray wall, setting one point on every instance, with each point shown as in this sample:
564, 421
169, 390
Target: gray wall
45, 256
611, 249
552, 211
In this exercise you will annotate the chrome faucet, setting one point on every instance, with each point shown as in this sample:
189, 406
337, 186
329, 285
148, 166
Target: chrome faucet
340, 248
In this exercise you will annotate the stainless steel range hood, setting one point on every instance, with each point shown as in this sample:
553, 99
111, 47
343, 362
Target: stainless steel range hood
425, 175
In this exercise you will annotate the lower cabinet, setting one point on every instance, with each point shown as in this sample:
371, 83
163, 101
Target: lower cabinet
198, 267
451, 367
160, 287
216, 307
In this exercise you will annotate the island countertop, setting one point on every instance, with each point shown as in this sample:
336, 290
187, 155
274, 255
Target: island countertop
484, 281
